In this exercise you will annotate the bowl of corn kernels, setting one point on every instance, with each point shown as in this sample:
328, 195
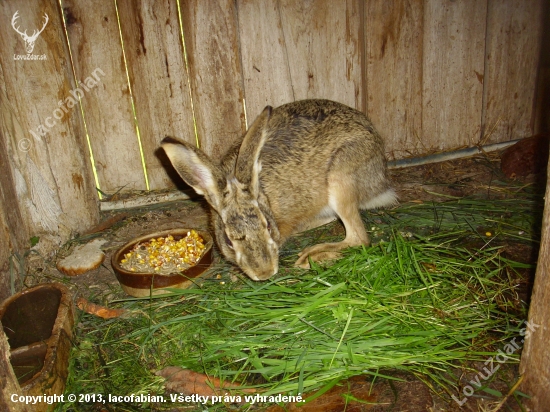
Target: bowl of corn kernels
151, 264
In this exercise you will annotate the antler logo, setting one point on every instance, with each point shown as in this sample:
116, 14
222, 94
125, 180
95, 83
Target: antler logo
29, 40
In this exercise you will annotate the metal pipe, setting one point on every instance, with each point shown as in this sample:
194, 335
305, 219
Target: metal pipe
455, 154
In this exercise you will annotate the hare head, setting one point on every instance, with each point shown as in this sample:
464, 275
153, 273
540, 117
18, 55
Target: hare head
245, 230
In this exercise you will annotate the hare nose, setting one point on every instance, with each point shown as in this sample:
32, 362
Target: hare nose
264, 273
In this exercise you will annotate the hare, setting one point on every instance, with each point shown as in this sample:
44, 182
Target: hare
299, 166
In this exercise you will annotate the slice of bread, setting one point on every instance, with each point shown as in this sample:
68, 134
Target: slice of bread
83, 259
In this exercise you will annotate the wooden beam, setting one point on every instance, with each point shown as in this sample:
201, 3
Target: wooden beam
535, 359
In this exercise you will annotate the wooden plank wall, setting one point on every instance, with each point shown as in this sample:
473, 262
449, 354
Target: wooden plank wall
432, 75
447, 74
211, 39
46, 178
514, 29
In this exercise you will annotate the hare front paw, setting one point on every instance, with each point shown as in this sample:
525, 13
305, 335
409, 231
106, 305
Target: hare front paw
319, 256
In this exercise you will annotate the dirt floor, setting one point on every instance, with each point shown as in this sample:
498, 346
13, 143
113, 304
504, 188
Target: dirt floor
479, 175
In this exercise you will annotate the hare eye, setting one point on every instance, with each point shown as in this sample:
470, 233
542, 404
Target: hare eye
269, 226
228, 241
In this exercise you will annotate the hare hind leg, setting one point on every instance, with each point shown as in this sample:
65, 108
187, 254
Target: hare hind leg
345, 203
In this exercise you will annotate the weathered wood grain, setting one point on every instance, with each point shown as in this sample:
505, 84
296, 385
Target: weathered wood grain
13, 228
265, 65
12, 138
15, 222
514, 33
44, 139
299, 50
453, 71
535, 357
394, 73
211, 39
94, 38
323, 42
6, 250
158, 77
10, 386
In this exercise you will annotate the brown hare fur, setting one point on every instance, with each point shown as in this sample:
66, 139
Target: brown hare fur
299, 166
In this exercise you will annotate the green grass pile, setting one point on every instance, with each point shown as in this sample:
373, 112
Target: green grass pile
416, 302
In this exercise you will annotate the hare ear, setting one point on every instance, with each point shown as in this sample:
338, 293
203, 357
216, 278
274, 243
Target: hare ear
248, 166
196, 169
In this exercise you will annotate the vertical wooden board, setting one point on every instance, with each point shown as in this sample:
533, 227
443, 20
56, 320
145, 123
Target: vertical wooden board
453, 63
514, 32
535, 357
6, 250
542, 103
10, 240
94, 39
266, 70
14, 224
211, 40
14, 230
324, 46
160, 85
13, 213
393, 37
45, 138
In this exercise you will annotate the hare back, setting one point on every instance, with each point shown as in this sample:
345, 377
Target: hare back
312, 145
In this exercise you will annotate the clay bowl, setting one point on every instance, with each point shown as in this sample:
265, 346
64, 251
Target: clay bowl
146, 284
